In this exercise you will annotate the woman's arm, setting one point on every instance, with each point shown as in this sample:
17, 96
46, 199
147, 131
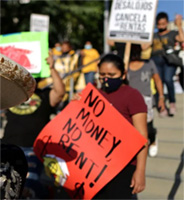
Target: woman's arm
58, 90
138, 178
178, 23
159, 86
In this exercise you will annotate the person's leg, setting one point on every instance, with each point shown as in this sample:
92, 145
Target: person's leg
160, 63
89, 77
168, 79
169, 73
153, 146
151, 132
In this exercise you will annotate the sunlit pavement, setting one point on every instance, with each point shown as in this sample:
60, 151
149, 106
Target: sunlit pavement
164, 175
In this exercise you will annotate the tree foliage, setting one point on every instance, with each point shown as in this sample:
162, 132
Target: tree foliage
76, 21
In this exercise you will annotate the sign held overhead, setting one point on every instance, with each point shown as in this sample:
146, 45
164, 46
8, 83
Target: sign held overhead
132, 20
39, 23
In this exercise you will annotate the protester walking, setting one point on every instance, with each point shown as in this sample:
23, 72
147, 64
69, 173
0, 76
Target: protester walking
164, 40
89, 54
130, 103
140, 74
24, 123
65, 64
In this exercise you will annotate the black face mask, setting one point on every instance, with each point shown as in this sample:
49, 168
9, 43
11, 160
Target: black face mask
111, 84
162, 30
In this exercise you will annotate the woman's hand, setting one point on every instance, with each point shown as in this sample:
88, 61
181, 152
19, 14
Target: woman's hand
50, 60
161, 104
138, 181
178, 20
77, 96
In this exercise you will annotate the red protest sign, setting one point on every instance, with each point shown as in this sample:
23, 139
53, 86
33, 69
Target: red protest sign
91, 143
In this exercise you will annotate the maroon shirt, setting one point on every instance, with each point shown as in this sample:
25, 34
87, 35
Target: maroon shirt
127, 100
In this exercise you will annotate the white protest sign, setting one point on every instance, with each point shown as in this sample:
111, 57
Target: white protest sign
39, 23
132, 20
27, 54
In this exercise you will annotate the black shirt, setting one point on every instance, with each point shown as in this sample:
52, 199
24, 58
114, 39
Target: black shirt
25, 121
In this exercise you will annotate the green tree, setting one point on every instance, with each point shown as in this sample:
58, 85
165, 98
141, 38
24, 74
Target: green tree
76, 21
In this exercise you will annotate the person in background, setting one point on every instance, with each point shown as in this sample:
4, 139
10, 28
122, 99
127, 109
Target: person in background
120, 47
166, 71
130, 103
139, 75
24, 123
88, 55
56, 50
66, 63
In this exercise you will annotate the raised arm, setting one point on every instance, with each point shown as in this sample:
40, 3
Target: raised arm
58, 90
178, 23
138, 180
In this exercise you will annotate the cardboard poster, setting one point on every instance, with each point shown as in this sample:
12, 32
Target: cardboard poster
132, 20
29, 49
39, 22
87, 144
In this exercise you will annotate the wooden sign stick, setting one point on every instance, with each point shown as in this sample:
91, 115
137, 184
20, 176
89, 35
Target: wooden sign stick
127, 55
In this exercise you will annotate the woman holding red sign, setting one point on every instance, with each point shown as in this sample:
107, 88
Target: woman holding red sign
130, 103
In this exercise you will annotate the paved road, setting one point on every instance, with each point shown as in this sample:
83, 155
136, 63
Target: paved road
165, 172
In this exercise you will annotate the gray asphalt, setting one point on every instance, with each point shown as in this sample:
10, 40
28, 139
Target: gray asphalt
164, 174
